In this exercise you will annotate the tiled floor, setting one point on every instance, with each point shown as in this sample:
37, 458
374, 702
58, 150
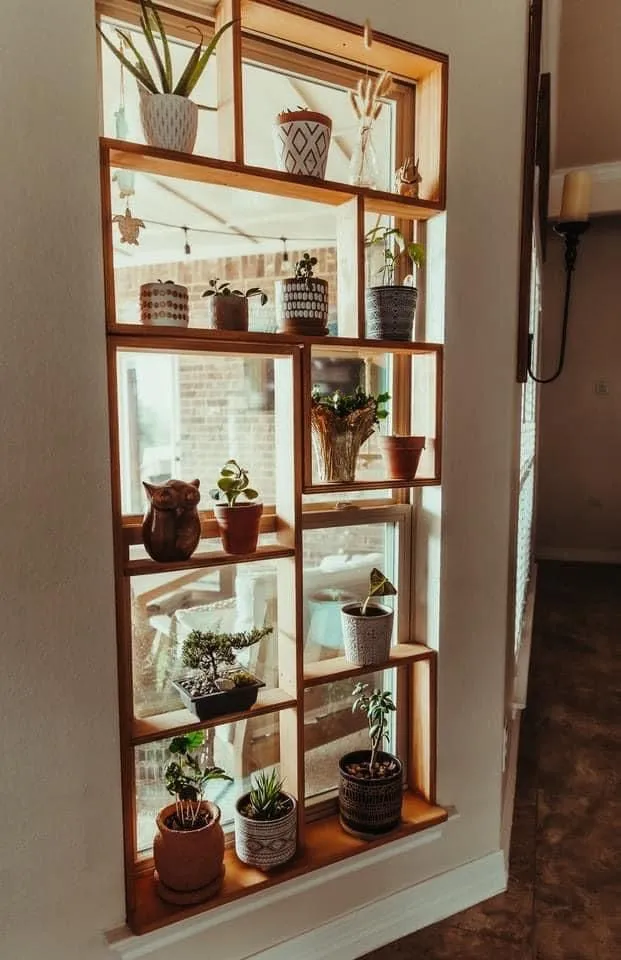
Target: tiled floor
564, 896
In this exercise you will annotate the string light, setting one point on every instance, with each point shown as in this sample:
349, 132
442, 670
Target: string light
230, 233
285, 255
187, 249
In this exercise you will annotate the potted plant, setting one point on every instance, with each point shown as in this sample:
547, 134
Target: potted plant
188, 848
390, 308
238, 523
302, 141
367, 627
341, 423
266, 823
402, 455
302, 301
164, 304
169, 118
371, 781
228, 309
218, 685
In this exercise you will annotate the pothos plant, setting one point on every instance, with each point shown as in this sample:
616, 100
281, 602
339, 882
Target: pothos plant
186, 779
211, 653
377, 707
153, 31
344, 404
379, 586
232, 484
394, 246
217, 289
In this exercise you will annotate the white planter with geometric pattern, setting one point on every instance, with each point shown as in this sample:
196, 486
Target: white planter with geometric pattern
164, 305
302, 306
367, 638
265, 843
302, 142
168, 120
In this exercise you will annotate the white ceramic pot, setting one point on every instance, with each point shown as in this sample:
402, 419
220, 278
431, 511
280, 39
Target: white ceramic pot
302, 142
367, 639
164, 305
265, 843
168, 120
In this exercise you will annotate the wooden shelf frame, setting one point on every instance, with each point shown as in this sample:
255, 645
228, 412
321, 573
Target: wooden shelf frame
338, 668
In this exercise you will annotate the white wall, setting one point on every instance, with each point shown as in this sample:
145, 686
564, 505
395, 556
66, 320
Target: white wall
60, 861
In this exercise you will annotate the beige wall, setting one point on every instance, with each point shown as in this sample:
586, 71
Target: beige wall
579, 505
61, 880
589, 83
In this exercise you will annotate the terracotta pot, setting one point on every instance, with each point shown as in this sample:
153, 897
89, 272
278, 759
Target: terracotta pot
402, 456
390, 312
302, 307
168, 120
227, 313
265, 843
188, 863
367, 638
302, 142
239, 526
164, 304
369, 808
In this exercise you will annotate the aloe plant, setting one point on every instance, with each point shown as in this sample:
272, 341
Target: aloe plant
266, 799
153, 30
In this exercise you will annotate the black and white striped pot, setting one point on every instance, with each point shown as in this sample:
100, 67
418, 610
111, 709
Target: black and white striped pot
265, 843
302, 306
369, 808
367, 638
302, 142
390, 312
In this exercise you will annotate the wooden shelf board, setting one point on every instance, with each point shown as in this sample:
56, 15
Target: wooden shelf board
370, 485
164, 725
326, 843
215, 558
225, 173
338, 668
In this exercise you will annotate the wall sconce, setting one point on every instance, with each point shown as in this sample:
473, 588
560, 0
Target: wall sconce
573, 222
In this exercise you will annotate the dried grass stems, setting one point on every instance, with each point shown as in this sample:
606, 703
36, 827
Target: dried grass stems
366, 100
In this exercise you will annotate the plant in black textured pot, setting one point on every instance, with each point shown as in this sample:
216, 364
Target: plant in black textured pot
266, 823
237, 510
367, 627
390, 308
371, 781
228, 309
340, 424
218, 684
302, 301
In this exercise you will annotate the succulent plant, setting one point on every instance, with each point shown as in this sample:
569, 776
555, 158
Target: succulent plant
377, 706
266, 799
217, 289
232, 484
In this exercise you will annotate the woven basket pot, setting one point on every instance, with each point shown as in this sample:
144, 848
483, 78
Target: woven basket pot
402, 455
390, 312
302, 306
238, 526
302, 142
265, 843
188, 863
227, 313
337, 441
168, 120
367, 638
164, 305
369, 808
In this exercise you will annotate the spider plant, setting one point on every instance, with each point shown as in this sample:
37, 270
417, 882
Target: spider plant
153, 30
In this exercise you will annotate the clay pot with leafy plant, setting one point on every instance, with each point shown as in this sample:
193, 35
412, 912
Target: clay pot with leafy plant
266, 823
302, 142
302, 301
371, 781
218, 684
228, 309
367, 627
169, 118
236, 509
188, 848
340, 424
390, 307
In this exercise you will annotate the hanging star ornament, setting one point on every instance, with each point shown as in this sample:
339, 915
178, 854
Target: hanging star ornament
129, 226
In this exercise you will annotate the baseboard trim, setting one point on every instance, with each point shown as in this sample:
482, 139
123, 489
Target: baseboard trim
578, 555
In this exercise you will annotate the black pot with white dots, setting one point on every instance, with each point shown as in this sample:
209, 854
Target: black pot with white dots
302, 306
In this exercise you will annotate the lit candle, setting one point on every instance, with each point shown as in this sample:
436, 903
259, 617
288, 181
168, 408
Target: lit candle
576, 201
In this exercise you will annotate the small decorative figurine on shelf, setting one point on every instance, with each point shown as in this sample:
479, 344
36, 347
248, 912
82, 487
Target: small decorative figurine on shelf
129, 226
408, 179
171, 527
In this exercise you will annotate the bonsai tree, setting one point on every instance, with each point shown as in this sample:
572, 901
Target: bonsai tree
186, 779
217, 289
266, 800
394, 247
153, 30
379, 586
232, 484
377, 707
211, 653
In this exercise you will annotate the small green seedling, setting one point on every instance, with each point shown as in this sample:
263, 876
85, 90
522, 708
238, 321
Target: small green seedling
267, 800
379, 586
217, 289
233, 483
377, 707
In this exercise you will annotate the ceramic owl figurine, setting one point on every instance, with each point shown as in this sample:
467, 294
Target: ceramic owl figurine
171, 527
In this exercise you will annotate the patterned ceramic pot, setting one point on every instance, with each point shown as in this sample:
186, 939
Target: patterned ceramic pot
265, 843
302, 306
402, 455
302, 142
390, 312
369, 808
367, 638
227, 313
164, 305
188, 863
168, 120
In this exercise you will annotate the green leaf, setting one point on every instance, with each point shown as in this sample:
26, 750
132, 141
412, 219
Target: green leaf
183, 89
142, 76
198, 67
380, 585
155, 53
195, 739
225, 472
165, 45
250, 494
225, 483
